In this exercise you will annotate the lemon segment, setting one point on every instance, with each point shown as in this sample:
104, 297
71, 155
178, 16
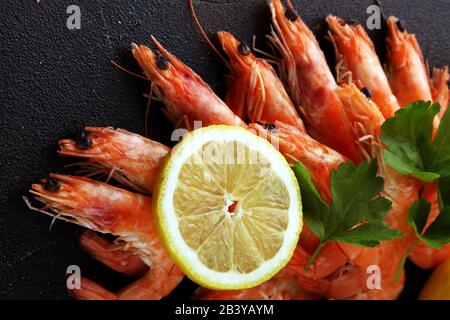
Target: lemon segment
228, 208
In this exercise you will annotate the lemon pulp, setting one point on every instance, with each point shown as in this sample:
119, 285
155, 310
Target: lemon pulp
228, 208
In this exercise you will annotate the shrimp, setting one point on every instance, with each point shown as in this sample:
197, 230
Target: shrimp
401, 190
409, 80
254, 90
407, 70
127, 157
310, 82
358, 62
186, 97
107, 209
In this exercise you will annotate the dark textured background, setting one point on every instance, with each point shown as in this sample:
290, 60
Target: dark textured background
56, 80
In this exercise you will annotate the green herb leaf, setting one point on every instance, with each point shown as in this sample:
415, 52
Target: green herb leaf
357, 212
438, 159
314, 208
444, 192
409, 138
353, 190
437, 233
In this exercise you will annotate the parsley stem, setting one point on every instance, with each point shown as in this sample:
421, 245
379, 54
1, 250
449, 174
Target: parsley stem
314, 255
403, 261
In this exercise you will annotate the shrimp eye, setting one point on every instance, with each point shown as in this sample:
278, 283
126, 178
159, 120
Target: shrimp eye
291, 14
83, 141
269, 126
161, 62
401, 25
52, 185
365, 91
244, 49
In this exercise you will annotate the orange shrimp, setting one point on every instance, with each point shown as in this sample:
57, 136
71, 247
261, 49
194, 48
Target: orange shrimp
401, 190
107, 209
408, 72
358, 62
126, 157
409, 80
310, 81
254, 90
186, 97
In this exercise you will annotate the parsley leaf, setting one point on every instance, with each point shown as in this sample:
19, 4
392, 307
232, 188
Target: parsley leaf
437, 233
411, 148
314, 208
357, 212
444, 192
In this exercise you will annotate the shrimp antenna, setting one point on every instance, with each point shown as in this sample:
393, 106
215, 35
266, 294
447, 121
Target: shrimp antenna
289, 4
118, 66
147, 111
202, 31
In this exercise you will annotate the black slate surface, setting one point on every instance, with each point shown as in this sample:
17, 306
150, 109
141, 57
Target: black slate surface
56, 80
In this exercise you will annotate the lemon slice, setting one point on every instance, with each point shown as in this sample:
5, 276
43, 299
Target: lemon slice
228, 208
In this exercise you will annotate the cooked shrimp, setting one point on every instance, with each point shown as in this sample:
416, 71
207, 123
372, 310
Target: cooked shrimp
358, 62
186, 97
254, 90
124, 156
401, 190
107, 209
409, 80
407, 72
310, 81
